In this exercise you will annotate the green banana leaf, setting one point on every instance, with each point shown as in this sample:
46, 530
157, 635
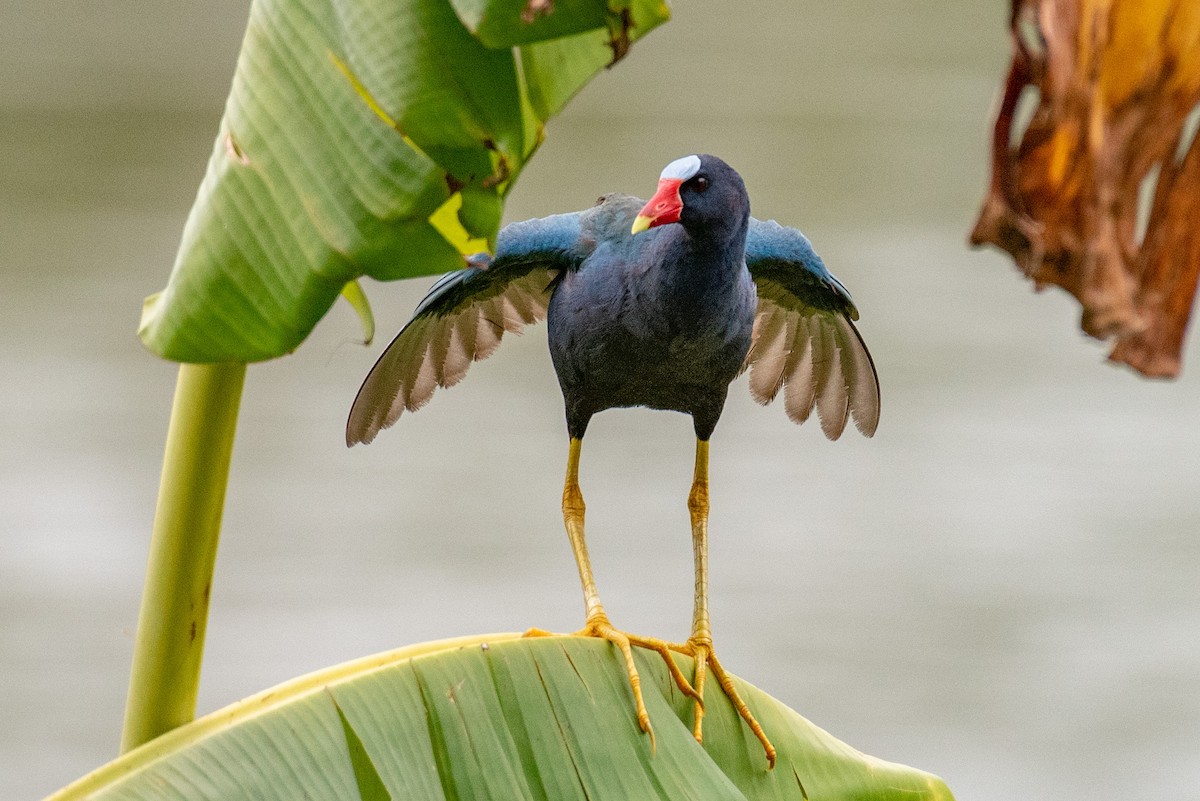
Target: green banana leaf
497, 717
368, 137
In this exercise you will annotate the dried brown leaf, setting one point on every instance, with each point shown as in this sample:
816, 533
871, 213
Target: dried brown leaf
1115, 82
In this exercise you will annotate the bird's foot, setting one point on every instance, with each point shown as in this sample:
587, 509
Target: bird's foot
598, 625
700, 649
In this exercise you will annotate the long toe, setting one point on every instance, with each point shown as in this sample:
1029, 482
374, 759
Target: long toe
602, 628
735, 698
701, 655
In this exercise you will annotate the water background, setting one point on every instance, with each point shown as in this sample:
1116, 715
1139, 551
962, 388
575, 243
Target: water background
1000, 587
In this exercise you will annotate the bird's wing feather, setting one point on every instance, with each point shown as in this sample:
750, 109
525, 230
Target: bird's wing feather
462, 319
805, 342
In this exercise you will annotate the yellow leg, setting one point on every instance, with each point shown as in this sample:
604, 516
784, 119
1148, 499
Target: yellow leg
699, 644
573, 511
701, 637
597, 623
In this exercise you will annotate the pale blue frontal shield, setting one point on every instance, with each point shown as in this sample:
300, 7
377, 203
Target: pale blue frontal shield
681, 169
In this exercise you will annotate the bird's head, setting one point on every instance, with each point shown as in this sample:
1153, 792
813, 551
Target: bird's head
699, 192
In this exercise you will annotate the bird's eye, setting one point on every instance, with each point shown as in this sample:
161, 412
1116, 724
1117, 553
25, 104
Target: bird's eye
701, 183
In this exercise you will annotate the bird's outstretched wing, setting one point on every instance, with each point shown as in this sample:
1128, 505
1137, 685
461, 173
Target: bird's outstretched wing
463, 318
805, 342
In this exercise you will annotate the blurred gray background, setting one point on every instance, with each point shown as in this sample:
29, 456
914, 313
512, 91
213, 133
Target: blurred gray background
1000, 587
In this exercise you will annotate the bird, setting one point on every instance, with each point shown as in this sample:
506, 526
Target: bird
659, 304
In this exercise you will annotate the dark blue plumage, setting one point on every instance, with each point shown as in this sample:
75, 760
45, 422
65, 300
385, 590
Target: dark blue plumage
661, 319
774, 253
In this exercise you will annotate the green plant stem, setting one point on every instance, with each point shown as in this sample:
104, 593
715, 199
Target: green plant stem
183, 550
